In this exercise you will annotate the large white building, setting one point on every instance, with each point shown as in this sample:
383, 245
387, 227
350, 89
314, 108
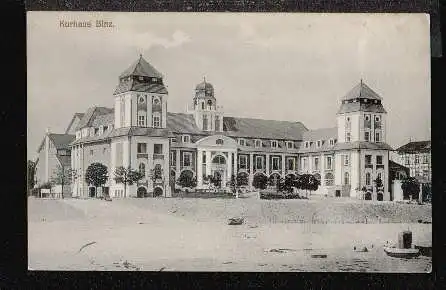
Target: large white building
139, 132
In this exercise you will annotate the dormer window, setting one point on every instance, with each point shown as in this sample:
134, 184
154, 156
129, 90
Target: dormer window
105, 128
318, 143
186, 139
141, 78
289, 145
274, 144
219, 141
258, 143
154, 80
173, 140
331, 142
307, 144
241, 142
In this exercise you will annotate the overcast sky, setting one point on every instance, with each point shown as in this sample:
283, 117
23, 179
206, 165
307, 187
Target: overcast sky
293, 67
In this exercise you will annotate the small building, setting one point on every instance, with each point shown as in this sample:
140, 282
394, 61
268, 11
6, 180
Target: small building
416, 156
397, 173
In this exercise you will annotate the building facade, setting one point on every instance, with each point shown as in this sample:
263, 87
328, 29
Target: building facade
417, 157
140, 133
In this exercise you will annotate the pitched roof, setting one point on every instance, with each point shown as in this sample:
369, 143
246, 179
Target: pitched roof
416, 146
76, 115
320, 134
137, 86
259, 128
92, 113
141, 68
361, 90
182, 123
138, 131
102, 120
395, 166
362, 145
61, 141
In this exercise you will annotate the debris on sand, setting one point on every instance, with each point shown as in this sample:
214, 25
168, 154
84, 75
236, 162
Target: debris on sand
278, 250
235, 221
229, 262
86, 245
319, 256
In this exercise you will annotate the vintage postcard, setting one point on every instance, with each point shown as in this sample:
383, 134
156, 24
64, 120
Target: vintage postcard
229, 142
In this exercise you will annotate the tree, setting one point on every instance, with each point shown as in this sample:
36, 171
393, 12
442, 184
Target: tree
308, 182
30, 174
127, 176
62, 176
242, 179
96, 175
260, 181
410, 187
187, 179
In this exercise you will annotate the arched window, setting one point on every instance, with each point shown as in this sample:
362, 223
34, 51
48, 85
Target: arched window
217, 123
156, 105
346, 178
219, 141
219, 160
205, 122
367, 178
142, 168
202, 105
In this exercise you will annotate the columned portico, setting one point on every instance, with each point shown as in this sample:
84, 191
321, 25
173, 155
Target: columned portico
218, 150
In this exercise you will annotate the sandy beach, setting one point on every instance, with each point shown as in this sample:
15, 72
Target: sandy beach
192, 235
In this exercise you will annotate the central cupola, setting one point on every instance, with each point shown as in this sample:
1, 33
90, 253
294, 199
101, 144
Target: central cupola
206, 114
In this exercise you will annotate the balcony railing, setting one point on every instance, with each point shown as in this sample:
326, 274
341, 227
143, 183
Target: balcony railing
158, 156
142, 155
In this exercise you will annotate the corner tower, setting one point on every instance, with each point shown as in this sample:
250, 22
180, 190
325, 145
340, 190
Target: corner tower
206, 112
141, 97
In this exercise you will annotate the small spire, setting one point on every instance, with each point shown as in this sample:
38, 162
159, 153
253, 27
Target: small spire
361, 81
140, 55
204, 79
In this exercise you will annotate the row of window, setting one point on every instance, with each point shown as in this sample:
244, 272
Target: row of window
417, 159
316, 164
156, 120
319, 143
368, 178
366, 136
379, 159
142, 148
206, 123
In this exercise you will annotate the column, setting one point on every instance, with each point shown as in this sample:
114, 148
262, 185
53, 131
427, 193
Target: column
208, 163
199, 168
235, 164
322, 170
251, 169
229, 165
177, 163
267, 164
283, 163
310, 164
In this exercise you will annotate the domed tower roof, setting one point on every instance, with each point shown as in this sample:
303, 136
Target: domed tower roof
204, 89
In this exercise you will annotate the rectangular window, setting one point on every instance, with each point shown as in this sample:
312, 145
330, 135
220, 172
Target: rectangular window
377, 137
331, 142
274, 144
186, 139
142, 148
141, 121
318, 143
305, 163
347, 137
172, 158
258, 143
367, 136
241, 142
203, 158
187, 157
425, 159
156, 121
368, 159
289, 145
290, 164
417, 159
96, 131
243, 164
276, 161
346, 160
328, 163
91, 152
367, 121
379, 160
316, 163
307, 144
105, 128
259, 162
158, 148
